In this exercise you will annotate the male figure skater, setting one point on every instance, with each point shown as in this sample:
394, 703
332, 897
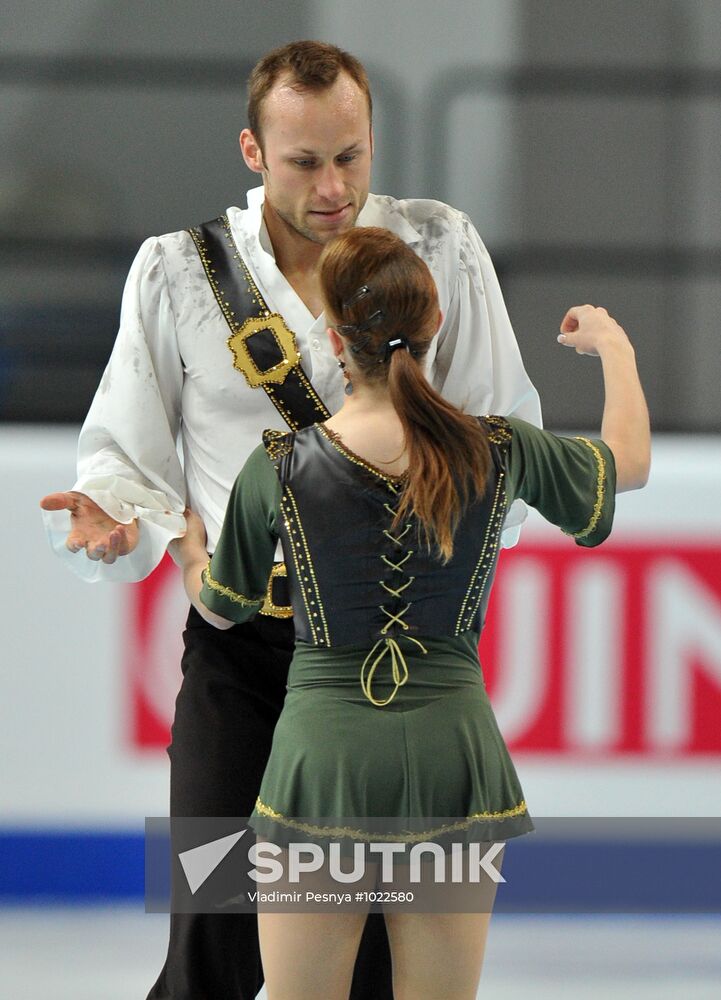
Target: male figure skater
222, 335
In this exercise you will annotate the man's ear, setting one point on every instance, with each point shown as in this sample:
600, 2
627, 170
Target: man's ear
252, 153
373, 143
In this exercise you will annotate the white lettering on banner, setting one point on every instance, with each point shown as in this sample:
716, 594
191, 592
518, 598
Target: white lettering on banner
594, 690
613, 653
523, 592
684, 629
619, 653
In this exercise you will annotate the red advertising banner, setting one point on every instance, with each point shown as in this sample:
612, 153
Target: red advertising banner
612, 652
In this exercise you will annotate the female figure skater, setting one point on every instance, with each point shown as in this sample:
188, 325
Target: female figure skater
390, 517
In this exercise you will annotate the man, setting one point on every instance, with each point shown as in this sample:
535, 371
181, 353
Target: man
176, 375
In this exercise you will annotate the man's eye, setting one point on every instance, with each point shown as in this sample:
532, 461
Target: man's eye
304, 163
347, 157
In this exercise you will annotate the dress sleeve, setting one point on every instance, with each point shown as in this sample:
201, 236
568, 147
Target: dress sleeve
236, 579
128, 460
478, 364
570, 481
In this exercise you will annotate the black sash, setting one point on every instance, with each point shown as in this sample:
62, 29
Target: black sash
264, 348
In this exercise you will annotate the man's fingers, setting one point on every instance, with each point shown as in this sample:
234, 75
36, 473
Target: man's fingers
117, 545
59, 501
99, 542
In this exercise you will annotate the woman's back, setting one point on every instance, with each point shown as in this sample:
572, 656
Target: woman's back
375, 435
354, 576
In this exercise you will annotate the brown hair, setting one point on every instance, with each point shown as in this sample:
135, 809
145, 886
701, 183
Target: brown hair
377, 290
310, 65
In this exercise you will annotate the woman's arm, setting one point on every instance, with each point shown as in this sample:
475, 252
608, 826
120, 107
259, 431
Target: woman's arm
191, 555
625, 427
230, 588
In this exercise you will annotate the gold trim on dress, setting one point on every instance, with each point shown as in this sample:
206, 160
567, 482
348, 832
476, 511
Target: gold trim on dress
476, 587
277, 444
304, 569
228, 592
335, 439
345, 831
269, 608
500, 432
600, 491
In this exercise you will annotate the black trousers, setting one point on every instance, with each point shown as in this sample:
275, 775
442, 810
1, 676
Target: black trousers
234, 683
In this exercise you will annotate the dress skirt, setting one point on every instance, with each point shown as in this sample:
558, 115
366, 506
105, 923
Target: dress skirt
431, 763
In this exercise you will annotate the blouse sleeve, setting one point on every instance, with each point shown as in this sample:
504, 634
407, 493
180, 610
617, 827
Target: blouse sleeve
128, 460
570, 481
236, 579
478, 364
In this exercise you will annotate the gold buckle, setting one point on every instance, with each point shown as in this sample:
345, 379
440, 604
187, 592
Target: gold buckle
268, 608
284, 338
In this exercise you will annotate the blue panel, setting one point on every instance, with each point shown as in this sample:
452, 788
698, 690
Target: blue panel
546, 876
611, 876
71, 866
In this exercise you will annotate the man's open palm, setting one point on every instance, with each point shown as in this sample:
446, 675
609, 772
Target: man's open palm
102, 537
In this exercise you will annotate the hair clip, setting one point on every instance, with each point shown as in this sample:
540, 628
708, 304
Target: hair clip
361, 293
352, 329
373, 320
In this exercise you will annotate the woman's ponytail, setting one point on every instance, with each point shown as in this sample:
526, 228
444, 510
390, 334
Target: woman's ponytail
448, 454
382, 299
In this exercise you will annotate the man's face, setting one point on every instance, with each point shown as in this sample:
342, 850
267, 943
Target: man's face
316, 158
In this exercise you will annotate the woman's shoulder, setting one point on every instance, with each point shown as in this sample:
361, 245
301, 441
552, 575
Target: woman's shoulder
276, 443
499, 429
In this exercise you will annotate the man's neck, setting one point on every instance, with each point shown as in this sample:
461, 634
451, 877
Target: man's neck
297, 260
294, 254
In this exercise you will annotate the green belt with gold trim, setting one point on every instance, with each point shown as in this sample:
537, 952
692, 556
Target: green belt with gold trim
264, 350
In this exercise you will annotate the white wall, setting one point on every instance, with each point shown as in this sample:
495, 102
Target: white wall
65, 746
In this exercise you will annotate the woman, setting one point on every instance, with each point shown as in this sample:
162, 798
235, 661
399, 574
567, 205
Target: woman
390, 516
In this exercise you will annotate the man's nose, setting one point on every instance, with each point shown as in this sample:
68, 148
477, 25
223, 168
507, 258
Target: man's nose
330, 185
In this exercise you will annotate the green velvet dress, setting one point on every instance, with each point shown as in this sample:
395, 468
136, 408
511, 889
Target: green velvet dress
394, 732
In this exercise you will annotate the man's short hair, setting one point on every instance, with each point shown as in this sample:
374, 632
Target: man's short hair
311, 66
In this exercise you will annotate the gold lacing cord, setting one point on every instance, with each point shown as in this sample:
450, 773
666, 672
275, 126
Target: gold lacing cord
396, 539
399, 565
397, 591
399, 667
